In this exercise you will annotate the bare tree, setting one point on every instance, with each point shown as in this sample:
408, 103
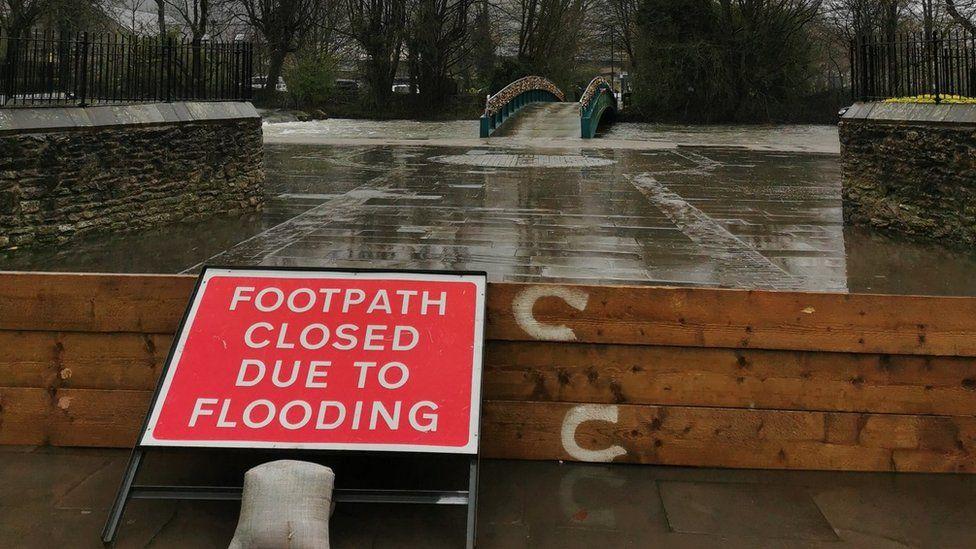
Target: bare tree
283, 24
196, 18
853, 18
483, 41
765, 45
194, 15
161, 16
125, 13
20, 15
966, 22
378, 27
546, 26
328, 34
549, 34
201, 18
624, 20
438, 42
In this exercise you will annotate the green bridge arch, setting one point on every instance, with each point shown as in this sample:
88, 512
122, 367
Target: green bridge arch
596, 102
511, 98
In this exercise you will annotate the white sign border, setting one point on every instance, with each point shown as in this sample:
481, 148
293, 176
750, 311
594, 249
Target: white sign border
159, 397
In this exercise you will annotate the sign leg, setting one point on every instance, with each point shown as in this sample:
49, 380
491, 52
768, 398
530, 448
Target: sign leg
472, 503
122, 498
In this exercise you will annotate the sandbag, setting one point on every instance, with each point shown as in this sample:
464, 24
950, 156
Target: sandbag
285, 504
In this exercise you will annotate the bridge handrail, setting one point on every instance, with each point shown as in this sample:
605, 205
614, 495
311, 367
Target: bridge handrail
597, 85
494, 103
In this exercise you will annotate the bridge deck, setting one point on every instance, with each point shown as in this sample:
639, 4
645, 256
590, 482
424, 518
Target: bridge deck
545, 120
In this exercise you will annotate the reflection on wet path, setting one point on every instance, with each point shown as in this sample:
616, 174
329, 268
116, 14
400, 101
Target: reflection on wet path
61, 496
713, 216
524, 221
793, 137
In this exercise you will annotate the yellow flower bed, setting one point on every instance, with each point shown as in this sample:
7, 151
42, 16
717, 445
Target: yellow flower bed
930, 98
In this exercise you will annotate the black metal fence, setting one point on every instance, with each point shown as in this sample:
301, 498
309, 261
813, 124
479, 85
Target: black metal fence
92, 69
912, 64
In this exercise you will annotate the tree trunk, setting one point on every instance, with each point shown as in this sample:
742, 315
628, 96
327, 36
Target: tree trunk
413, 70
161, 16
19, 25
380, 81
928, 21
278, 54
433, 79
960, 18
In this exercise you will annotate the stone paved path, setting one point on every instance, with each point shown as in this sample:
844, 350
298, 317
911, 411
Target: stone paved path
738, 263
713, 216
523, 217
59, 497
543, 120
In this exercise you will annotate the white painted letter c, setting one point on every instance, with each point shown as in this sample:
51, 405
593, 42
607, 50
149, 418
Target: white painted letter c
525, 300
583, 413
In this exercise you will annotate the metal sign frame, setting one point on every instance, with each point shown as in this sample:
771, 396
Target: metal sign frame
129, 489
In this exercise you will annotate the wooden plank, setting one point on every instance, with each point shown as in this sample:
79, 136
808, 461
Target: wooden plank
696, 317
788, 380
93, 302
24, 415
82, 360
109, 419
71, 417
672, 435
542, 371
28, 359
725, 437
702, 317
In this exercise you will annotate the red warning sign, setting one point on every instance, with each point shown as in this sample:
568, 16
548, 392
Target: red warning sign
325, 360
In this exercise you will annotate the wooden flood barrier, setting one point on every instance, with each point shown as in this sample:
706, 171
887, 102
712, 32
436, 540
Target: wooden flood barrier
677, 376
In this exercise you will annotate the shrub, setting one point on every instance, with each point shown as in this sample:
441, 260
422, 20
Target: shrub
930, 98
310, 77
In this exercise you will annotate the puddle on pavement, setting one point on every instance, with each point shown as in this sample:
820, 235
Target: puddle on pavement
522, 160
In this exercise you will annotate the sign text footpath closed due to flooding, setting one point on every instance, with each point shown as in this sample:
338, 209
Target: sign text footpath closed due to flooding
325, 360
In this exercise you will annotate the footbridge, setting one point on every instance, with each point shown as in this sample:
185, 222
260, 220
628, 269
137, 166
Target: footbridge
535, 107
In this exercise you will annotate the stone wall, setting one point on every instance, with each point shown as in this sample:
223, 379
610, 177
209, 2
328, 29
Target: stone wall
66, 172
910, 169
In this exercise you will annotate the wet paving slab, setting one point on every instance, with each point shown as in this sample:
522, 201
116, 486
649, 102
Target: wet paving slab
707, 216
60, 497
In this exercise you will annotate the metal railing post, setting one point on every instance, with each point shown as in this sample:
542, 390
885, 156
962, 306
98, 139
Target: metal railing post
248, 70
238, 72
7, 84
82, 94
169, 69
936, 46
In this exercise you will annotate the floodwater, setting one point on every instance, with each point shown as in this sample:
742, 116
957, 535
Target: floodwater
59, 497
339, 128
285, 129
748, 208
